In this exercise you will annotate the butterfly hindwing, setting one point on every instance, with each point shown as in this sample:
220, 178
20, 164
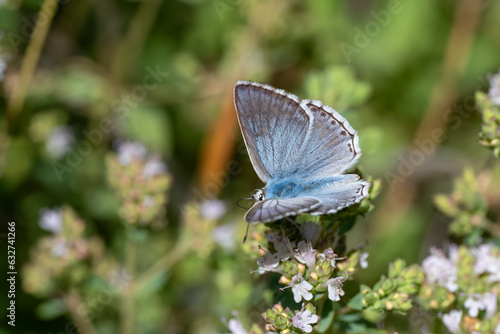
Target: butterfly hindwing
332, 145
334, 198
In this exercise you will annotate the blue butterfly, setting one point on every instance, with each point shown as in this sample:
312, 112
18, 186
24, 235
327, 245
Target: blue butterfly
300, 150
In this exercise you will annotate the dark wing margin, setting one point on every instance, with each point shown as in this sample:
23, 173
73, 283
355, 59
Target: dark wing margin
274, 125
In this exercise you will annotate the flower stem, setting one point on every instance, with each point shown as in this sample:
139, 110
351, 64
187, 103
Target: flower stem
162, 265
133, 42
73, 302
31, 58
127, 307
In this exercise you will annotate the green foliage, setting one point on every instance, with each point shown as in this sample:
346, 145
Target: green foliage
126, 252
465, 205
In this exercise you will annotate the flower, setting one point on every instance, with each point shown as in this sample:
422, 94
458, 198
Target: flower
306, 254
487, 263
130, 151
335, 288
153, 166
441, 270
474, 303
3, 57
213, 209
148, 201
490, 303
300, 288
362, 260
51, 220
224, 236
59, 141
494, 91
59, 248
452, 321
302, 321
236, 327
283, 246
269, 262
329, 254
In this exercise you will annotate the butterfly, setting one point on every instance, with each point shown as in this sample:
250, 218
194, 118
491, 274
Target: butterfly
300, 150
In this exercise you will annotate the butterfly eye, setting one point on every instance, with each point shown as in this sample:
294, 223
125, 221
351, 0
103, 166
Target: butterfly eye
258, 195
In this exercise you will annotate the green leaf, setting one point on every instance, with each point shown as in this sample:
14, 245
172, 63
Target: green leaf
355, 302
50, 309
325, 322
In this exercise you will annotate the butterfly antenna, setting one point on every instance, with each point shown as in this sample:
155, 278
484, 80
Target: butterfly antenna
241, 199
246, 233
294, 223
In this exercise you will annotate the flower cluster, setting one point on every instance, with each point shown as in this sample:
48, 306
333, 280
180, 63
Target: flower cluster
65, 254
309, 268
281, 320
463, 286
140, 182
465, 205
200, 221
489, 105
392, 293
304, 269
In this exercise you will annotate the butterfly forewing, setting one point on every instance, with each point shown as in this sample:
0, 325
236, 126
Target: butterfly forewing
277, 208
274, 126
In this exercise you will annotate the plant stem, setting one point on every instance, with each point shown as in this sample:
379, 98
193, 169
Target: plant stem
31, 58
162, 265
73, 302
128, 295
133, 42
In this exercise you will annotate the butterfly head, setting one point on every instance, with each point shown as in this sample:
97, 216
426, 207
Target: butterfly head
258, 195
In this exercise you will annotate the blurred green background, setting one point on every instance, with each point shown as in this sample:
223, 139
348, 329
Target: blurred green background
403, 73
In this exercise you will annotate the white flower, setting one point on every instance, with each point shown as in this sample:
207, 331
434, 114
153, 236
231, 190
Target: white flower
306, 254
51, 220
60, 247
439, 269
213, 209
490, 303
497, 329
362, 260
153, 166
59, 141
283, 246
269, 262
302, 321
224, 235
130, 151
474, 303
452, 321
148, 201
328, 254
3, 57
335, 288
494, 91
487, 263
311, 231
300, 288
236, 327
